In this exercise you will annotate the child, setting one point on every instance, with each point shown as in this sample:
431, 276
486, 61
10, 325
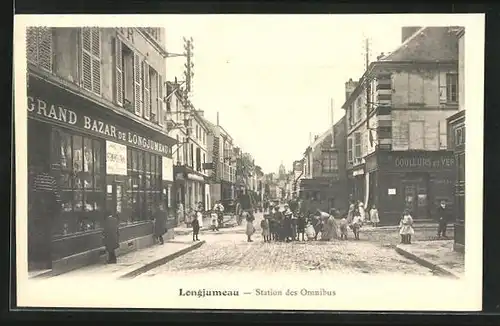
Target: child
214, 223
196, 228
374, 216
343, 228
301, 227
406, 227
356, 224
264, 224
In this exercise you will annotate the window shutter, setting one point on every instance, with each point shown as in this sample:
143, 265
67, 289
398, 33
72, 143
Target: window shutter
161, 106
442, 88
146, 87
86, 59
45, 48
137, 85
118, 72
96, 60
32, 44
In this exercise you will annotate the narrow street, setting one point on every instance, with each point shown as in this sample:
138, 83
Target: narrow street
228, 250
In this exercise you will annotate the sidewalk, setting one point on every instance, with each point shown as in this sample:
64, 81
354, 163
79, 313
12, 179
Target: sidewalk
437, 255
140, 261
229, 221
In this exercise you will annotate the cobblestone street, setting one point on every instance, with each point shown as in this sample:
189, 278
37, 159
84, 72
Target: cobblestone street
228, 250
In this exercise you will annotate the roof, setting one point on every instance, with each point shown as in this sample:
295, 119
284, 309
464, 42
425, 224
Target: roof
326, 134
427, 43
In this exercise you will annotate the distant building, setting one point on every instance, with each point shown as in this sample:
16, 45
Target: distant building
325, 179
398, 157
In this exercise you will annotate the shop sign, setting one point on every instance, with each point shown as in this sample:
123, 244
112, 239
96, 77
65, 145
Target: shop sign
422, 162
167, 169
358, 172
67, 117
195, 177
116, 158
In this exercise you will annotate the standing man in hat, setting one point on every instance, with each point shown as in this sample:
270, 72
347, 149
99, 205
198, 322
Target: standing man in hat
443, 215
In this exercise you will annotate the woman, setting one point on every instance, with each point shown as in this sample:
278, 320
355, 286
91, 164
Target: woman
329, 227
250, 229
160, 223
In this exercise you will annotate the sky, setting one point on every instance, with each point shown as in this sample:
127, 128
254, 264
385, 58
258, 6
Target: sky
272, 77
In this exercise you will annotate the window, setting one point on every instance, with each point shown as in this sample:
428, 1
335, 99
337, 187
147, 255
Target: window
416, 135
39, 46
460, 136
198, 159
91, 59
351, 115
144, 184
452, 88
461, 167
79, 161
124, 76
191, 156
359, 109
155, 97
329, 162
443, 139
357, 145
177, 148
146, 90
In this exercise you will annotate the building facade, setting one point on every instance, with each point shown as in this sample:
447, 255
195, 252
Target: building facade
397, 151
456, 142
222, 164
190, 130
95, 123
325, 180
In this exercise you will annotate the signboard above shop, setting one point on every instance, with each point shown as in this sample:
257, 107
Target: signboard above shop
78, 119
417, 161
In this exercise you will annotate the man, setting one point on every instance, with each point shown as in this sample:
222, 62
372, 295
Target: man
160, 222
443, 215
111, 235
219, 209
45, 207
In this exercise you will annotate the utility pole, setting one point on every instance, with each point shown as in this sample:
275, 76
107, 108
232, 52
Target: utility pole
189, 65
367, 83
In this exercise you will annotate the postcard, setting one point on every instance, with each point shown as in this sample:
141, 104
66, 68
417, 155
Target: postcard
271, 162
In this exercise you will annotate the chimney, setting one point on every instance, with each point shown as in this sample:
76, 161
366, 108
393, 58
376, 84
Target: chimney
408, 31
316, 137
350, 86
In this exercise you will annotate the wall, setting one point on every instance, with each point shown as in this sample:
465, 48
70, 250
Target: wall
419, 88
461, 72
432, 121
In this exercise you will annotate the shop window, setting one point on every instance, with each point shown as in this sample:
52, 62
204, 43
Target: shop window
78, 160
144, 185
39, 46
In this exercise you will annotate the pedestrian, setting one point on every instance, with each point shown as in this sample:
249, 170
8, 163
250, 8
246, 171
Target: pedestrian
278, 216
301, 226
317, 224
374, 216
310, 232
264, 224
195, 224
111, 235
160, 217
356, 224
329, 231
180, 214
343, 228
219, 208
250, 229
199, 216
406, 227
443, 215
214, 223
287, 225
362, 211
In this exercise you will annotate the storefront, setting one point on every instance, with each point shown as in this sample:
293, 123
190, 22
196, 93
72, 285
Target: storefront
190, 187
325, 193
104, 163
456, 142
413, 180
357, 183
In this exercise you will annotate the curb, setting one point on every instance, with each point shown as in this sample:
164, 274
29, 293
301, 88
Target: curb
149, 266
425, 262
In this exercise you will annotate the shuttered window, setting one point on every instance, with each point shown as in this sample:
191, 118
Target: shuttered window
137, 85
39, 46
146, 96
118, 72
161, 106
91, 59
349, 150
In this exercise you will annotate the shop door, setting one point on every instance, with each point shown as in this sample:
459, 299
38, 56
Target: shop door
416, 193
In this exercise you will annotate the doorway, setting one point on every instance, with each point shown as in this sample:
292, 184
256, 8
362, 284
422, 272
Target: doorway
39, 224
416, 196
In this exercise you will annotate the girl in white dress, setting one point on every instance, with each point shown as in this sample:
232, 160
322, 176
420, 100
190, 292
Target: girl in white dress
406, 227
